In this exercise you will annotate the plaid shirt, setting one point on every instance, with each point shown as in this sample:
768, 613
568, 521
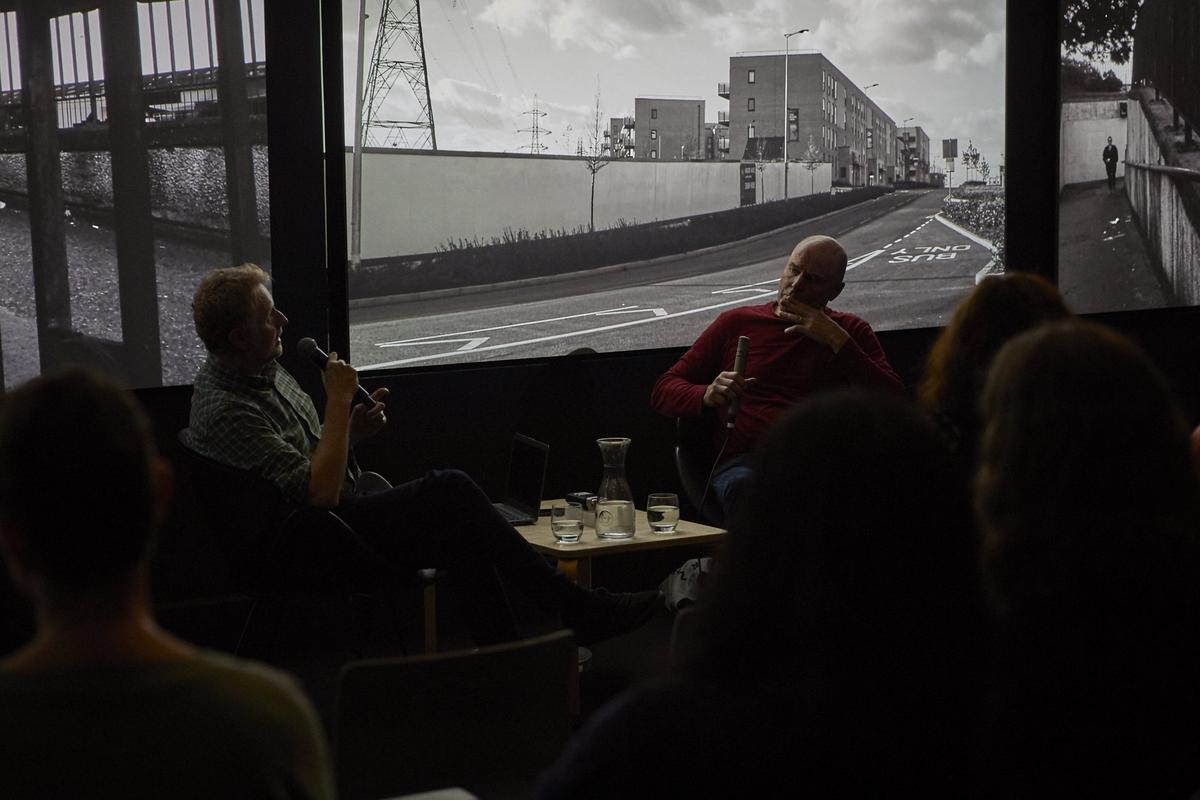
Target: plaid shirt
262, 423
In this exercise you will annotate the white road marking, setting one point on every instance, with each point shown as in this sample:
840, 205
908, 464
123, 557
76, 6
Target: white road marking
658, 312
488, 330
471, 344
569, 334
664, 315
963, 231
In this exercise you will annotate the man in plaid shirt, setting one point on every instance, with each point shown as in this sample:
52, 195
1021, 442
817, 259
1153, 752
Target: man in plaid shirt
249, 413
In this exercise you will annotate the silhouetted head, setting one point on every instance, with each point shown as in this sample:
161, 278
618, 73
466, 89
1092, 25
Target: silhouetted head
855, 546
998, 309
81, 490
1085, 490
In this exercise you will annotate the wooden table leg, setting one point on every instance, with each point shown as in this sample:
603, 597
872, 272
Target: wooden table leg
578, 570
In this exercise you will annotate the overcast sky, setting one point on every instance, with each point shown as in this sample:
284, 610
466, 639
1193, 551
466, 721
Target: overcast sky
940, 61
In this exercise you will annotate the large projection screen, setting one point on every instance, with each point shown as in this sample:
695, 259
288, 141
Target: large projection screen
541, 177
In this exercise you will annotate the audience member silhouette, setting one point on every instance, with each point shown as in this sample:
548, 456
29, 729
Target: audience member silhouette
1090, 513
997, 309
102, 702
837, 651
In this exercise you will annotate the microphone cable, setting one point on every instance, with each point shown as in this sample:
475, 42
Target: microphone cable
713, 471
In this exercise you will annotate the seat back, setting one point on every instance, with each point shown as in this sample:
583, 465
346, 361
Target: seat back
487, 720
694, 458
229, 509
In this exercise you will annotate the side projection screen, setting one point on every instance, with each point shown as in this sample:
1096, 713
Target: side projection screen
525, 180
133, 158
1129, 155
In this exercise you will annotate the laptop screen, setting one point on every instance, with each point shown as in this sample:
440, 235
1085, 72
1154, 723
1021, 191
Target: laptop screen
526, 473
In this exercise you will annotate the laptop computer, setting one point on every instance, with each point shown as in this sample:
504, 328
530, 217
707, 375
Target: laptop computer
526, 477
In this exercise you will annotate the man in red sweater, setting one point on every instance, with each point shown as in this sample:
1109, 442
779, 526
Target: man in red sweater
798, 345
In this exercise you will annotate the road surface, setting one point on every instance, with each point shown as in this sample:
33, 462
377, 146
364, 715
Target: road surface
908, 268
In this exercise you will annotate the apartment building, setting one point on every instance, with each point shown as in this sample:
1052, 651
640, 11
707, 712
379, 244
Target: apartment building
913, 144
825, 111
669, 128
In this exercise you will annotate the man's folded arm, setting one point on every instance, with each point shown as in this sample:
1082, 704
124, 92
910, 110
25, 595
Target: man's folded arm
862, 360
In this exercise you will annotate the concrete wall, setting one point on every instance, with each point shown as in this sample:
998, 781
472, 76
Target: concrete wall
187, 184
1085, 127
1159, 208
414, 202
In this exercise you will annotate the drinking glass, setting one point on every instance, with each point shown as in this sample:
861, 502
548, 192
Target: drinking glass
662, 510
566, 521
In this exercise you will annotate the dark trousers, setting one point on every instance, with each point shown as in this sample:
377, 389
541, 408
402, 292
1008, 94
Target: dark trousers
444, 521
1111, 168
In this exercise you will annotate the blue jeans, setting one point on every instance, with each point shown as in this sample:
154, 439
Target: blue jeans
729, 484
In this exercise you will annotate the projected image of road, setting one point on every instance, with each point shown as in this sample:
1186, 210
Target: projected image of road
533, 187
908, 267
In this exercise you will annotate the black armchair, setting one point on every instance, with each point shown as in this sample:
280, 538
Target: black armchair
694, 459
242, 528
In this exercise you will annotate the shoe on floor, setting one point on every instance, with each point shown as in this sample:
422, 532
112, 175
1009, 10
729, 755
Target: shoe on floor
604, 614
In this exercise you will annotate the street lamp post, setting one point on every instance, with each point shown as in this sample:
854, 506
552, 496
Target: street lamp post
904, 125
787, 40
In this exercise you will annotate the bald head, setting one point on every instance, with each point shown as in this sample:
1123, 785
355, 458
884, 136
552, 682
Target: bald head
815, 272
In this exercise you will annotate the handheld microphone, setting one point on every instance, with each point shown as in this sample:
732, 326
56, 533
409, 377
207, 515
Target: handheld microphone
739, 366
308, 348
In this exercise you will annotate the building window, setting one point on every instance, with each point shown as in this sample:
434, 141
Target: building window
750, 76
654, 154
750, 131
750, 104
654, 113
653, 133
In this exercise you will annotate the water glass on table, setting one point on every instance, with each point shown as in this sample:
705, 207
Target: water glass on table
566, 521
662, 511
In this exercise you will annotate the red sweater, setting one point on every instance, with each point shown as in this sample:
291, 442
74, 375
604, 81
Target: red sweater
786, 366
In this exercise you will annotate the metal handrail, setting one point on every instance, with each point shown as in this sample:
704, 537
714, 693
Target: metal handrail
1179, 172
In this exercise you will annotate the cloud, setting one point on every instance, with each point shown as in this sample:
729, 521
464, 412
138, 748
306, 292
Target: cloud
477, 107
947, 34
612, 27
473, 117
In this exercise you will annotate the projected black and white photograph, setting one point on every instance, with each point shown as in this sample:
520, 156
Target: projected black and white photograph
531, 177
133, 159
1129, 154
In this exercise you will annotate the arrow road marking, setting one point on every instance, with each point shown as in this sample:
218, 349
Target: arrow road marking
471, 344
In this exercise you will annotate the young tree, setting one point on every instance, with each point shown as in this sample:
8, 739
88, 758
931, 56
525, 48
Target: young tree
1099, 30
595, 158
760, 158
811, 160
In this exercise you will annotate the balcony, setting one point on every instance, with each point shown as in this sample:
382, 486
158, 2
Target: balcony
723, 90
722, 117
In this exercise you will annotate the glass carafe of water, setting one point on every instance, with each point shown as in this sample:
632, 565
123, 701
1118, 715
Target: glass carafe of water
614, 504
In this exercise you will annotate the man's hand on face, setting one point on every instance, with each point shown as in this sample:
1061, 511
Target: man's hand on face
365, 421
811, 322
724, 388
